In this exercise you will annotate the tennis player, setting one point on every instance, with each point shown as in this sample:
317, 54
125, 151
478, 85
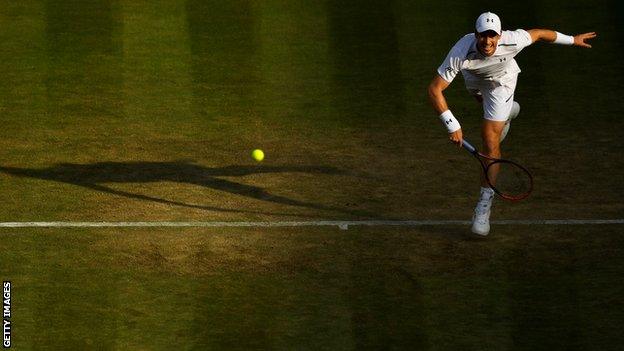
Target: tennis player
486, 60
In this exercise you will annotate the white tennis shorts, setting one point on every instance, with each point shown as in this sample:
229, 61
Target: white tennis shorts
498, 97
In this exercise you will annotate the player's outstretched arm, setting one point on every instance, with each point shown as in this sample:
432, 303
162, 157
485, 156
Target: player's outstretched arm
550, 36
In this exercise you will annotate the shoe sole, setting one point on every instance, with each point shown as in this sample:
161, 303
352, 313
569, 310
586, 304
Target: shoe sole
480, 233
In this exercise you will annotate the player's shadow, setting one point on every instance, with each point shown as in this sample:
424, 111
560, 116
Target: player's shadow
93, 176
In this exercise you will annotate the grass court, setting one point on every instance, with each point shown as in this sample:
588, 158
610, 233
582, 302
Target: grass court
147, 111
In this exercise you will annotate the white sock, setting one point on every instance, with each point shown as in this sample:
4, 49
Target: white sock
487, 194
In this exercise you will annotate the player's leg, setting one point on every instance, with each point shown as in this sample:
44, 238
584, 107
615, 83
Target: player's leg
491, 135
507, 92
491, 132
496, 109
515, 110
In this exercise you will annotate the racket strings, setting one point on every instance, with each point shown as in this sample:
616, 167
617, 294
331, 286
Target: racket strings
509, 179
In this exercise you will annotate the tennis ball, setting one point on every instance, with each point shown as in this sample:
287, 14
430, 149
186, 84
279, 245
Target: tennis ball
257, 155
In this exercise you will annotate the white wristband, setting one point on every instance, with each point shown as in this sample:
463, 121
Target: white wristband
563, 39
451, 123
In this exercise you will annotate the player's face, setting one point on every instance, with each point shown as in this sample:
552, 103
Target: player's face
487, 42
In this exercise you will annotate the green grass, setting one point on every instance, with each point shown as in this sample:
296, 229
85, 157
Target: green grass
316, 288
148, 110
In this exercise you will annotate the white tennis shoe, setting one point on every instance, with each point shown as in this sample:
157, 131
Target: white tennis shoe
481, 218
515, 110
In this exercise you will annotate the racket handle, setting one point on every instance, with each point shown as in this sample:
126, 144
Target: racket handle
468, 146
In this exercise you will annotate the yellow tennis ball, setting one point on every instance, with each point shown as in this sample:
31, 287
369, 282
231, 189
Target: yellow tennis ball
257, 155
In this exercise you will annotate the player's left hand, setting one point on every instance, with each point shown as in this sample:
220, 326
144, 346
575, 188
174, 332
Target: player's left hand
579, 40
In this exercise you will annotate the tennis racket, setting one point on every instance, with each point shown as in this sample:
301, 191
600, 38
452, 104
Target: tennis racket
512, 182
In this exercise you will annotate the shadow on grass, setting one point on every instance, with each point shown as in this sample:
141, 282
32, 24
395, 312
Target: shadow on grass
92, 176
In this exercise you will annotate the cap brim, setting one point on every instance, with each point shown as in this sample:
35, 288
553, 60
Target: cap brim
488, 30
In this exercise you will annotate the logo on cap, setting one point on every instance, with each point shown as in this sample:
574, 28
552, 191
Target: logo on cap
488, 21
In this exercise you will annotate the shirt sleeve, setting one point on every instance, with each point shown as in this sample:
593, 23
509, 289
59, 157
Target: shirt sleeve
452, 63
521, 38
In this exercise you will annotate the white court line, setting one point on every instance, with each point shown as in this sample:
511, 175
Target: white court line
339, 224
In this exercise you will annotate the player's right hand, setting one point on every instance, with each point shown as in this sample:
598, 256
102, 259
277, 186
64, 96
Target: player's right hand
456, 137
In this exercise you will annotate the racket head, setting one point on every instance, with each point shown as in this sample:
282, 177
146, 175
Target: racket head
513, 182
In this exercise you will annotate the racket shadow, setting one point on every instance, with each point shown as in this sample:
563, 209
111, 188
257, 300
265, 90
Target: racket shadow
95, 176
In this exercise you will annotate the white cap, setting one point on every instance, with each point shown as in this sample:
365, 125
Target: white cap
488, 21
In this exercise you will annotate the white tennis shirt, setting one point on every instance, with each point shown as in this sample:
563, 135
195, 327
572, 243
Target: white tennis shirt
476, 67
